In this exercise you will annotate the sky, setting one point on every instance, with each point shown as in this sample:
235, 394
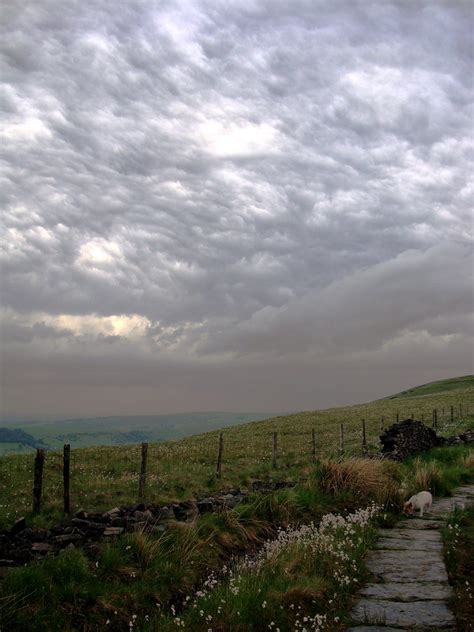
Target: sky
243, 205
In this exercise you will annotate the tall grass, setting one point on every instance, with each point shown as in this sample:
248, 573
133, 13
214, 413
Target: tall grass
363, 479
152, 579
439, 471
300, 580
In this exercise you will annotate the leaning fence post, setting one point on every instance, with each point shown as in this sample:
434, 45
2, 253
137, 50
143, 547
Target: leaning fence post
219, 455
313, 443
382, 425
66, 476
341, 440
142, 479
274, 450
38, 480
452, 414
364, 438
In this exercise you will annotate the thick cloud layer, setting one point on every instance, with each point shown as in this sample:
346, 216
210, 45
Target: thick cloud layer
233, 204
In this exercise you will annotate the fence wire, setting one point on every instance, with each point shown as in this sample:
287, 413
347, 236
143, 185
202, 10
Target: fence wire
105, 476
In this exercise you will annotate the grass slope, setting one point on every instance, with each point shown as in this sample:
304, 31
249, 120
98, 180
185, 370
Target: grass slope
103, 477
441, 386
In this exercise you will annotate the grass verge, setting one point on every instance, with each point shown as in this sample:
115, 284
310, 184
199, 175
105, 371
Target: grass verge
458, 536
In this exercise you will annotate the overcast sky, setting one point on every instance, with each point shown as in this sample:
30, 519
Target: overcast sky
233, 205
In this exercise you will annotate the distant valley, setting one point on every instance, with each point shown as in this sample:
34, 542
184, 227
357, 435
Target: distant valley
24, 436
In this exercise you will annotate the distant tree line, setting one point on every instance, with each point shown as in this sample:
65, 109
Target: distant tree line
15, 435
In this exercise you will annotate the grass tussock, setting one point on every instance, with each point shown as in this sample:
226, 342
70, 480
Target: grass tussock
363, 479
428, 476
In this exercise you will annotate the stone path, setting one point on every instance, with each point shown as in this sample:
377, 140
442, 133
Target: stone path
409, 587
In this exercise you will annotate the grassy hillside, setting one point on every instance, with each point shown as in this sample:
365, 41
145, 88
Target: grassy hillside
102, 477
433, 388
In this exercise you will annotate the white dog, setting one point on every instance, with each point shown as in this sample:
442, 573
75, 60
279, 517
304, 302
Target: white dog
419, 501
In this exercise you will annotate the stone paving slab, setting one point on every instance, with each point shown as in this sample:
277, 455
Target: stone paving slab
420, 523
406, 558
373, 628
406, 572
411, 534
425, 614
465, 490
406, 544
408, 591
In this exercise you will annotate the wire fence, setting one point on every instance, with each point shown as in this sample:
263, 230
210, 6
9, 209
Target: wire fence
98, 477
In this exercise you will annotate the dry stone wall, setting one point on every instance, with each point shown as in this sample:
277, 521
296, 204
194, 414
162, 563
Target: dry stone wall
22, 544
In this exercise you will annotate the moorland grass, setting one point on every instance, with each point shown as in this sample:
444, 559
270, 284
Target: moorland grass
162, 581
458, 536
103, 477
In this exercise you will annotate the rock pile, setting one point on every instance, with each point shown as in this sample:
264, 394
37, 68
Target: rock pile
22, 544
406, 438
412, 437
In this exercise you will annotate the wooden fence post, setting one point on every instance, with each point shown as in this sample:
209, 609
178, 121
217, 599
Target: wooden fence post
452, 414
382, 425
460, 411
142, 479
274, 450
364, 438
422, 417
313, 443
66, 477
435, 418
38, 480
398, 417
341, 440
219, 455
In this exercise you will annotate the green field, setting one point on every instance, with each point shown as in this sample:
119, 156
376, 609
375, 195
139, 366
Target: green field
102, 477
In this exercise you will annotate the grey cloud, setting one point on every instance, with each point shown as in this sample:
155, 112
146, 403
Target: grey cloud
237, 171
415, 292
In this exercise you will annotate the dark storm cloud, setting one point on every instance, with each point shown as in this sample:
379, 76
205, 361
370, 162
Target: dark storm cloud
242, 181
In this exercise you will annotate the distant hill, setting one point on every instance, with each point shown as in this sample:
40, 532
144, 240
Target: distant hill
22, 436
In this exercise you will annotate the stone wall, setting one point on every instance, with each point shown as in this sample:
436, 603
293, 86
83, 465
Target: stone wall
22, 544
410, 437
